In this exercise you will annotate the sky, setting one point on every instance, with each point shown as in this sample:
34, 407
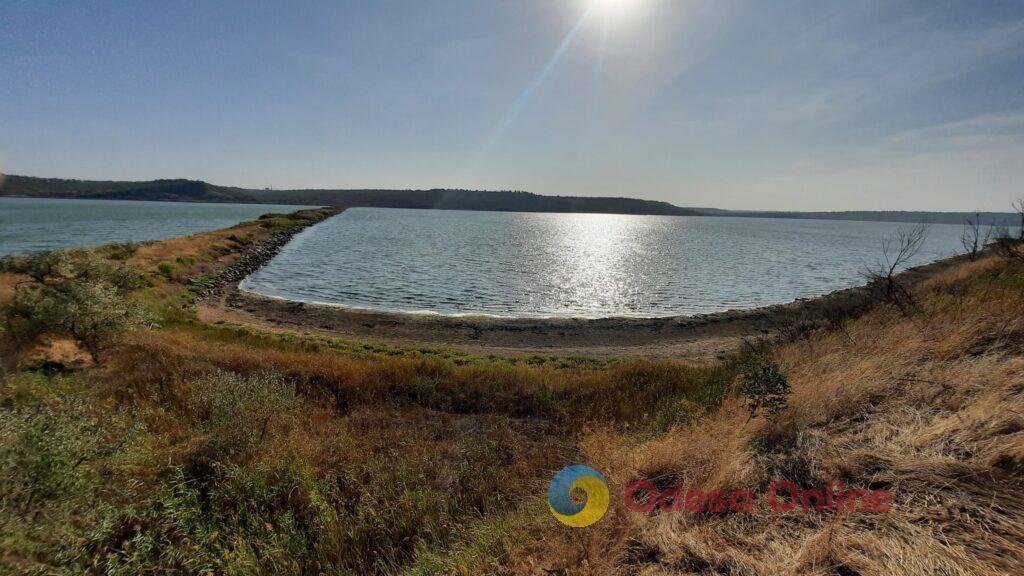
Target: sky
789, 104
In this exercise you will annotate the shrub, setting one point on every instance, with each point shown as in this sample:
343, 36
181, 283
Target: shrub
39, 266
41, 450
52, 447
74, 293
166, 268
762, 382
897, 253
975, 237
119, 251
264, 519
235, 412
1009, 247
240, 240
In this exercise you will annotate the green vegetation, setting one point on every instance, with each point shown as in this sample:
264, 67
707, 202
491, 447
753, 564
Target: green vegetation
762, 382
73, 293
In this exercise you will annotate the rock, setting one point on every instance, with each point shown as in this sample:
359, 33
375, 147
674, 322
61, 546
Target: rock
251, 260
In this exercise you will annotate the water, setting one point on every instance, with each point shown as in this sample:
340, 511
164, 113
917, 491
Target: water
32, 224
580, 265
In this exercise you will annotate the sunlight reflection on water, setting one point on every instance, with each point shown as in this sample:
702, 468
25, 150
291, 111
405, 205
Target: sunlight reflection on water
585, 265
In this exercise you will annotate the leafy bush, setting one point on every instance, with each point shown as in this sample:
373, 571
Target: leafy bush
235, 412
75, 293
41, 450
263, 519
50, 446
166, 268
762, 382
119, 251
39, 266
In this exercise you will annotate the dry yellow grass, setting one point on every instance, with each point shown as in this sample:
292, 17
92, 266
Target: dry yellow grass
929, 407
656, 392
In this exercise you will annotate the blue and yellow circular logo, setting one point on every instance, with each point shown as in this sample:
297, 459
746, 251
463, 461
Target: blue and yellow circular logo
590, 481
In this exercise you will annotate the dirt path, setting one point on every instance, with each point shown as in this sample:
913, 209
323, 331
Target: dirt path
689, 338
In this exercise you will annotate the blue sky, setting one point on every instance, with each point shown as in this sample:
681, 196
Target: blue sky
767, 105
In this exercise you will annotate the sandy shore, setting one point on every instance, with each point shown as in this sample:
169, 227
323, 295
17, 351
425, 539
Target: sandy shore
696, 338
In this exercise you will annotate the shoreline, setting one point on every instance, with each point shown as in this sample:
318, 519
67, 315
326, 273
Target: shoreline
697, 338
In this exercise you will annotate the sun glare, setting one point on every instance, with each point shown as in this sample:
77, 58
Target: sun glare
615, 7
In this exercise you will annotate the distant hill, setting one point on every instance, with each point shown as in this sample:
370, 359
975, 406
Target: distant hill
438, 199
987, 218
196, 191
172, 190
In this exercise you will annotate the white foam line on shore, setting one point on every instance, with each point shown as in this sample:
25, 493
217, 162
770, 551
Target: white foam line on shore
482, 314
390, 311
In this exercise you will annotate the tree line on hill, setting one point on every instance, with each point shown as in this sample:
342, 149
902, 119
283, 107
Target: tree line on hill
181, 190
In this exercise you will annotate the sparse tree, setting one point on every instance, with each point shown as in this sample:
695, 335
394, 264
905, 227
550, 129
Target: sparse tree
39, 267
975, 237
73, 293
897, 252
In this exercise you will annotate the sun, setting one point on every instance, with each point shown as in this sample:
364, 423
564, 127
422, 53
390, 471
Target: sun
615, 7
617, 11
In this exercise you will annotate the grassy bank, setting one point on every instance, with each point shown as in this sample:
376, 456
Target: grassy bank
176, 446
927, 405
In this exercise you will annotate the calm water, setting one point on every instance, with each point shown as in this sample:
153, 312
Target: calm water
31, 224
587, 265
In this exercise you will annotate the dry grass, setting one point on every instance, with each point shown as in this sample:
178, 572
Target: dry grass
929, 407
648, 393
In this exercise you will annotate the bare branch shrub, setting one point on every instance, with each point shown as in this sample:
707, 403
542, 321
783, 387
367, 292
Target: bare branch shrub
1009, 246
897, 253
975, 237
